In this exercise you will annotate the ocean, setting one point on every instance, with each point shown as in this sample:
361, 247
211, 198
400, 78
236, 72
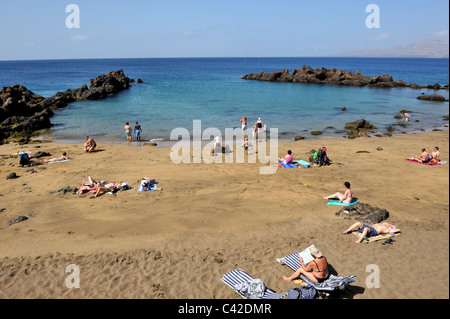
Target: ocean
177, 91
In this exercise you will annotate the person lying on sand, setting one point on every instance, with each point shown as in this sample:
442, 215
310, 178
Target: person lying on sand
316, 270
346, 198
371, 231
147, 184
56, 159
110, 187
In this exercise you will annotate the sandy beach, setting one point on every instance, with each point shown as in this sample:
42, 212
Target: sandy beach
212, 218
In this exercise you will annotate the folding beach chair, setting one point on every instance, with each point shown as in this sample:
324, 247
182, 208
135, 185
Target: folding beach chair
332, 284
237, 277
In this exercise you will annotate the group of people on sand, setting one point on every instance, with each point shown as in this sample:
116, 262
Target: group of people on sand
99, 187
317, 270
425, 157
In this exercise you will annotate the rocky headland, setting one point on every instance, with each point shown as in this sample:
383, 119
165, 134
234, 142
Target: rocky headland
335, 77
23, 112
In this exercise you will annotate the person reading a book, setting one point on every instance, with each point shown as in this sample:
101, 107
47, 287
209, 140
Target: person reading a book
315, 270
371, 231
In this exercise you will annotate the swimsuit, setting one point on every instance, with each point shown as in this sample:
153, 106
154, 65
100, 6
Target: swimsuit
372, 231
138, 133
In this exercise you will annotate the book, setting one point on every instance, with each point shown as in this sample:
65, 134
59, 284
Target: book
306, 255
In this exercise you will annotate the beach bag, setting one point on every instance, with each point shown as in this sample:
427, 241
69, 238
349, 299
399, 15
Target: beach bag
252, 289
307, 292
322, 158
24, 159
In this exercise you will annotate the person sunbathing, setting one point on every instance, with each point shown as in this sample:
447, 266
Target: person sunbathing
372, 231
435, 155
88, 186
316, 270
106, 188
287, 159
57, 159
345, 198
148, 183
424, 157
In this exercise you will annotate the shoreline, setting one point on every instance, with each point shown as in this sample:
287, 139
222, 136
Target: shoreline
212, 218
164, 142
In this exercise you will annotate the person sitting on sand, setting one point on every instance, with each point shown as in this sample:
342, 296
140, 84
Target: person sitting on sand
90, 145
57, 159
424, 157
371, 231
316, 270
287, 159
148, 183
345, 198
105, 188
435, 155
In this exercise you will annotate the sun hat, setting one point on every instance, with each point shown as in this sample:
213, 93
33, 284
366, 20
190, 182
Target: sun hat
315, 252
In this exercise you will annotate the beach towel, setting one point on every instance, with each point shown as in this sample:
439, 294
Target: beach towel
66, 160
427, 163
151, 189
303, 163
338, 203
375, 238
290, 165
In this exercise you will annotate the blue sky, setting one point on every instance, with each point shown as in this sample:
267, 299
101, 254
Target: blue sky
33, 29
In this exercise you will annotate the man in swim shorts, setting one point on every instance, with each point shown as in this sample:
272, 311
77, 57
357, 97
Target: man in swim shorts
138, 130
128, 130
371, 231
244, 123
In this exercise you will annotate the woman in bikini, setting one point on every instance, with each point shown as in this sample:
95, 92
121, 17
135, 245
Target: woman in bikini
423, 158
316, 270
345, 198
56, 159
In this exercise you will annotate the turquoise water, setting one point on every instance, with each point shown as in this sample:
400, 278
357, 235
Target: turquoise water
177, 91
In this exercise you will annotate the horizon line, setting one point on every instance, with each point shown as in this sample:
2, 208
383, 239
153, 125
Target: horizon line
232, 57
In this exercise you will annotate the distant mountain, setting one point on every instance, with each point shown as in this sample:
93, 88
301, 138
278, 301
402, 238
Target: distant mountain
422, 49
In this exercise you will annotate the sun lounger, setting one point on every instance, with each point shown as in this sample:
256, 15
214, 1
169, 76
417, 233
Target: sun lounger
237, 277
331, 284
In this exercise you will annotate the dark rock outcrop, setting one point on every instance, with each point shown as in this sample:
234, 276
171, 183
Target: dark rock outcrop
364, 213
335, 77
22, 112
432, 97
359, 128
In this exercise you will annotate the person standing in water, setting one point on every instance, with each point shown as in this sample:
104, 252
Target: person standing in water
138, 131
128, 130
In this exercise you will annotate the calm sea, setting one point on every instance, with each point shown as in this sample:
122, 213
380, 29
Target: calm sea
177, 91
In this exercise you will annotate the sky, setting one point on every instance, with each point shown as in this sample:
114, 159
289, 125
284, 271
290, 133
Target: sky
34, 30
